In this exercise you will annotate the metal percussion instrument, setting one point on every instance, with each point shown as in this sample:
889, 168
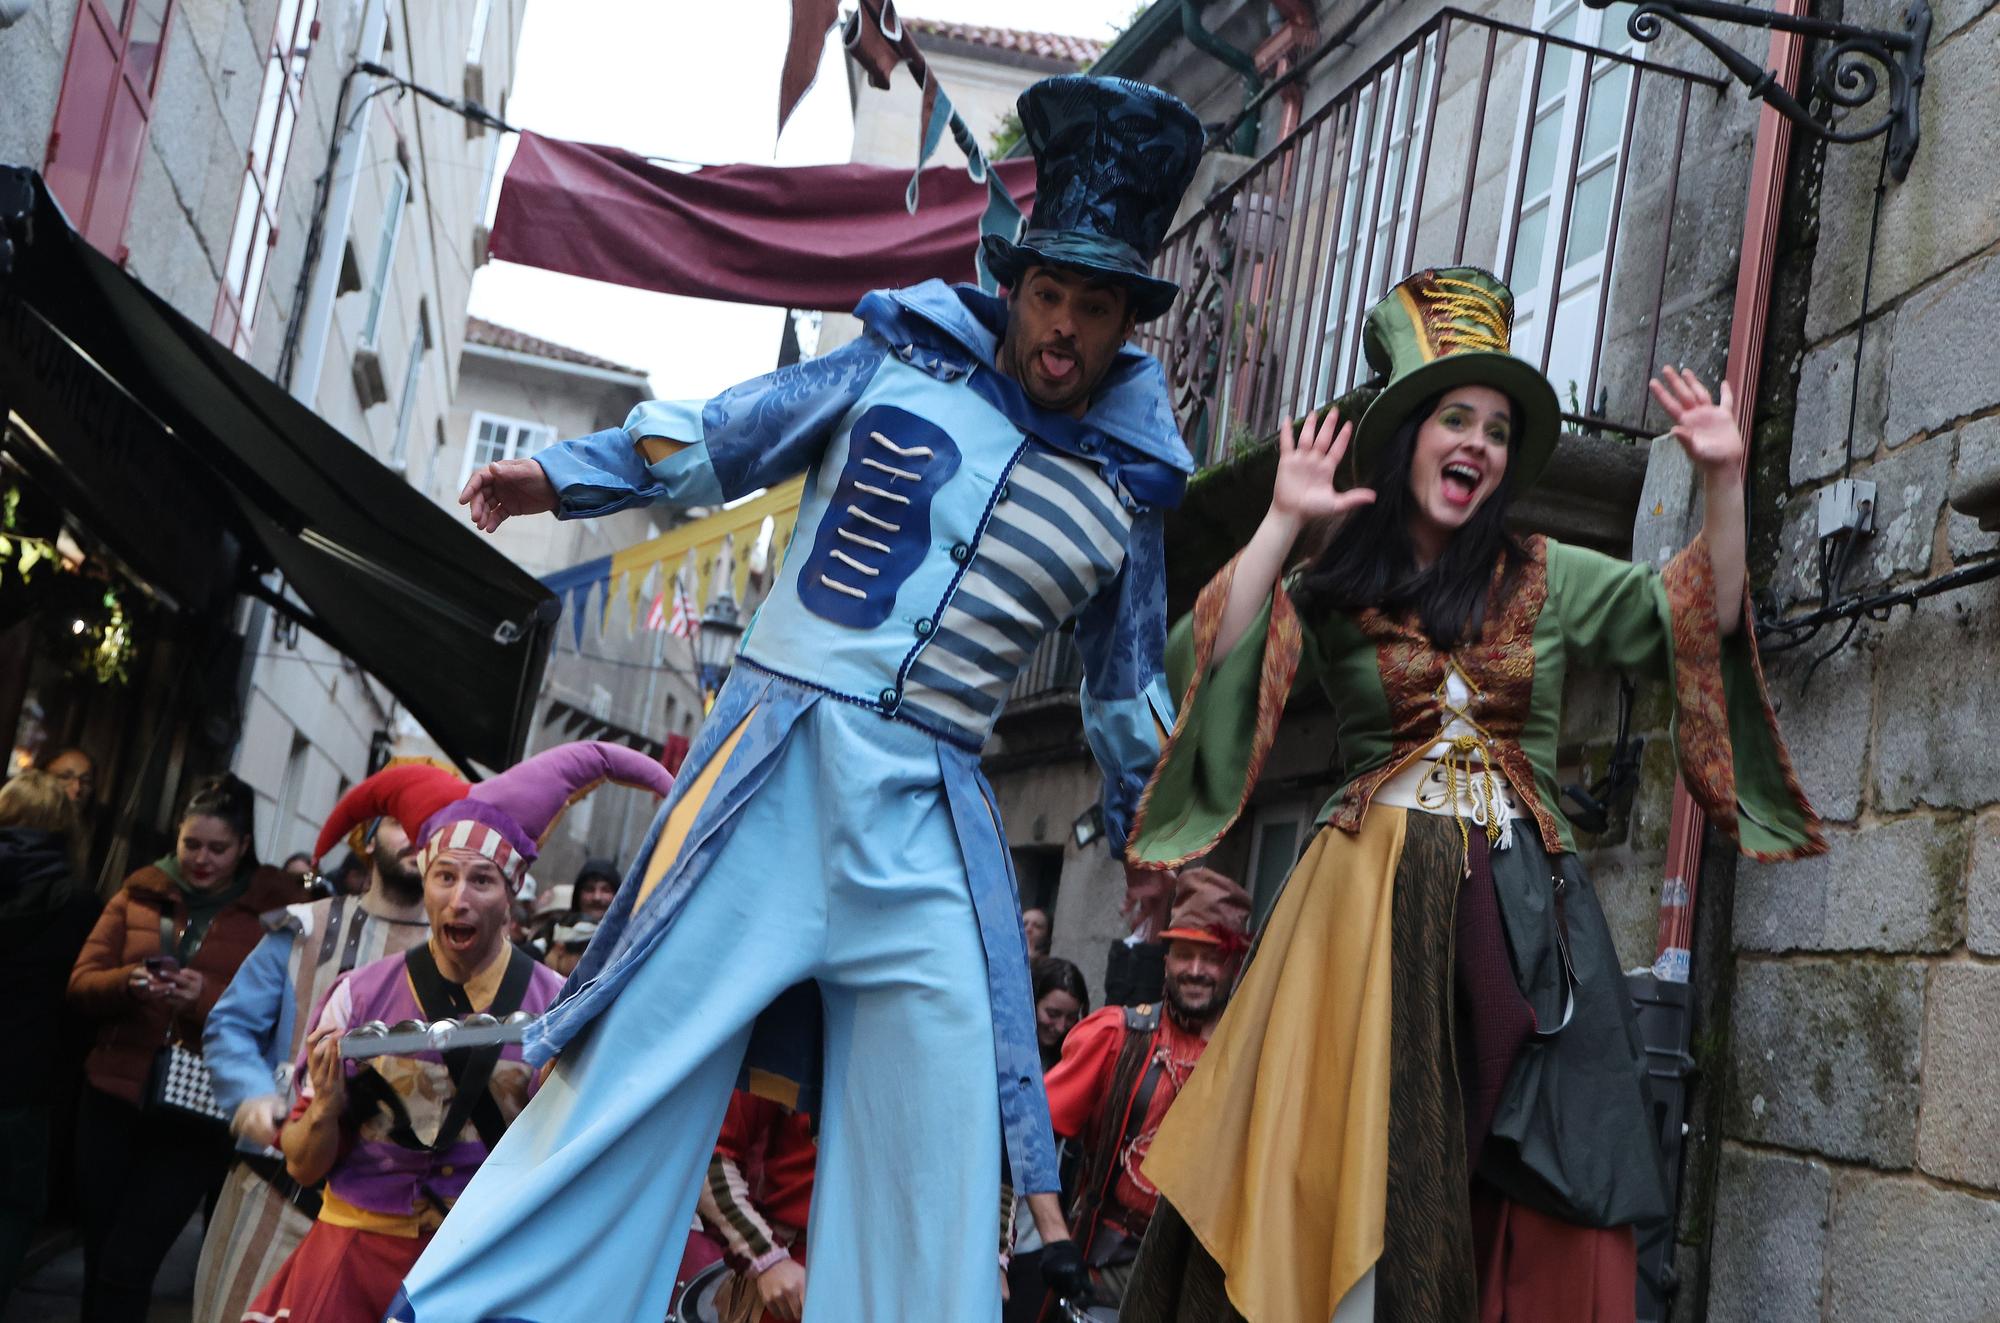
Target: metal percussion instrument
697, 1298
376, 1039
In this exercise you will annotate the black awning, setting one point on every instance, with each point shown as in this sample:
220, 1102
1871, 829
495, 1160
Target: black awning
159, 423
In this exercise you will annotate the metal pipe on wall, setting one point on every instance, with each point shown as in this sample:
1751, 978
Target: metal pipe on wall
1759, 251
312, 314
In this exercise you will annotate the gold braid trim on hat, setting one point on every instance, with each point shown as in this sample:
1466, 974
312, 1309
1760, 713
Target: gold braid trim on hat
1452, 303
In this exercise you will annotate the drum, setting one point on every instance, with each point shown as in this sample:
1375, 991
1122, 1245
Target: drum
697, 1301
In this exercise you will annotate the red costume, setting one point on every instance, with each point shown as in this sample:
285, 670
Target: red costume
760, 1183
1080, 1091
1121, 1070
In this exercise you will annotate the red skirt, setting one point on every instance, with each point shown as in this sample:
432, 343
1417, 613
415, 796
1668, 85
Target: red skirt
337, 1275
1534, 1268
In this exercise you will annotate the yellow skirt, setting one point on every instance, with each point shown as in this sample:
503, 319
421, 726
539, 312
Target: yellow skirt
1276, 1153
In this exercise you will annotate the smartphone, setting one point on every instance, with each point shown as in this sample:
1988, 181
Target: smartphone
159, 966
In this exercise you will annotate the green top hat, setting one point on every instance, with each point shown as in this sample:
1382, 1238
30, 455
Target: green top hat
1447, 327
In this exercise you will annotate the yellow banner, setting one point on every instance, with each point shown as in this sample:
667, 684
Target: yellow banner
704, 538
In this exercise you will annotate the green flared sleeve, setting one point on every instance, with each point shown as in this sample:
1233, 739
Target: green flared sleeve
1225, 724
1726, 739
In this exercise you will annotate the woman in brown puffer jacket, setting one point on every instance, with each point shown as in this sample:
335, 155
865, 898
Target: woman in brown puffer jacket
161, 954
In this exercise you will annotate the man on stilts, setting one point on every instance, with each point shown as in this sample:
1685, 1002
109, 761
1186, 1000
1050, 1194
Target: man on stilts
827, 898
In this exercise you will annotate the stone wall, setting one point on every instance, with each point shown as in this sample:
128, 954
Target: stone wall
1859, 1176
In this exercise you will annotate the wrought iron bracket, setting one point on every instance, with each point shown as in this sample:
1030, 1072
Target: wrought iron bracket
1844, 77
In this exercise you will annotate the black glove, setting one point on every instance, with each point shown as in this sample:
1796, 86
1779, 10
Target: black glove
1063, 1272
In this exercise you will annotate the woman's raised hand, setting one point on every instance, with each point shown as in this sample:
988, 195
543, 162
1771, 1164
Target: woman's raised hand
1303, 493
1307, 462
1707, 431
1705, 427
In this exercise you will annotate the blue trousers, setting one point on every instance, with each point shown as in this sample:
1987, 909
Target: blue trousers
843, 868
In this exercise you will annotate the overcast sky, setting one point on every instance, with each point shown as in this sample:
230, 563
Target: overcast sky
693, 82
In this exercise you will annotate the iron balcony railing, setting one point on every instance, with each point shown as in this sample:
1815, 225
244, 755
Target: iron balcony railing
1055, 669
1554, 162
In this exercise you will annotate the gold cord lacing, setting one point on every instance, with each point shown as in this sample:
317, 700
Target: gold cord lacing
1469, 762
1459, 302
1467, 757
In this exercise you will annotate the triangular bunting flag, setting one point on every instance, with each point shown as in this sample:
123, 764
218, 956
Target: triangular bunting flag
936, 117
866, 46
811, 20
1001, 217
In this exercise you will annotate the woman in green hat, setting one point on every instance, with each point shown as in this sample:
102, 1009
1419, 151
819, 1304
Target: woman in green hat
1427, 1100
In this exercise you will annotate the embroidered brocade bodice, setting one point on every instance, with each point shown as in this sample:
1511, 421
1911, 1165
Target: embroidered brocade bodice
1394, 695
1421, 682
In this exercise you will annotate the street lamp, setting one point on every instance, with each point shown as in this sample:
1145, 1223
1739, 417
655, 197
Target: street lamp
715, 645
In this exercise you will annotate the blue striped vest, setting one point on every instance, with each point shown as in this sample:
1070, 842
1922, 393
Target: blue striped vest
937, 545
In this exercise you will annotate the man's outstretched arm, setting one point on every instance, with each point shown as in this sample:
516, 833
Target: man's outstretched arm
683, 453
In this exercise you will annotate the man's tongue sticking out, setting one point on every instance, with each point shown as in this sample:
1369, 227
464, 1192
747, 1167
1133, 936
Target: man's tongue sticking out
1057, 365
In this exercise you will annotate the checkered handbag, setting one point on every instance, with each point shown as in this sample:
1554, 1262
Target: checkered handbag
180, 1084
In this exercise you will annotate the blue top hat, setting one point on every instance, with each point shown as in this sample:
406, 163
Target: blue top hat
1112, 158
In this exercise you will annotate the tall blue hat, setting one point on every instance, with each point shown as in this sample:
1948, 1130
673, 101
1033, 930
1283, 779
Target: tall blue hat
1112, 158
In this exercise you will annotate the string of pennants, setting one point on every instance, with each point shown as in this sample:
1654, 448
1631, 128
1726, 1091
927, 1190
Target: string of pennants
575, 723
876, 40
683, 567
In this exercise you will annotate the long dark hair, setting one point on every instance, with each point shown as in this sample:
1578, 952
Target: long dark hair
233, 802
1368, 561
1055, 974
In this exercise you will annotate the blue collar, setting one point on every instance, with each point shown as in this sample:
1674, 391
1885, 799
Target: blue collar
1131, 406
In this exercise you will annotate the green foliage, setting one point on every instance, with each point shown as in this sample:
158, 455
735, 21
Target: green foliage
107, 644
1139, 9
94, 629
18, 552
1005, 136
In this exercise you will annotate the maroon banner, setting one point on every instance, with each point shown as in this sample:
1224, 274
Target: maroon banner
810, 236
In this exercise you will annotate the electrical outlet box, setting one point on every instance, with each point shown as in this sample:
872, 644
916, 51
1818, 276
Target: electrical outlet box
1847, 507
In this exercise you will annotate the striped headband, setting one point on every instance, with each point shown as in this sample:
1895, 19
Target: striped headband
466, 834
